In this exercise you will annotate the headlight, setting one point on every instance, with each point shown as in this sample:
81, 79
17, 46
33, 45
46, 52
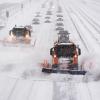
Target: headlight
12, 36
55, 56
27, 36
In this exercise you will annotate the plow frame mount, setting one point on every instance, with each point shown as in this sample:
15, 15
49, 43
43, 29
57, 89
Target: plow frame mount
64, 71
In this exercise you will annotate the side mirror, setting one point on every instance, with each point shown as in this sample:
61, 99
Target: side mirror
51, 51
79, 51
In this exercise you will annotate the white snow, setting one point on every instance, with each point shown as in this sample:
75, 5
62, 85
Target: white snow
10, 1
20, 71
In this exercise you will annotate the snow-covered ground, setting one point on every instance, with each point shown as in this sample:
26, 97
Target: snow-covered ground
20, 72
10, 1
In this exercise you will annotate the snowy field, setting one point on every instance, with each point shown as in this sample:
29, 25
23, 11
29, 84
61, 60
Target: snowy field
20, 71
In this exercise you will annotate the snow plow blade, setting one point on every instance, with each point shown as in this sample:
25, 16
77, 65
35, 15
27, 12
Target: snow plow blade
64, 71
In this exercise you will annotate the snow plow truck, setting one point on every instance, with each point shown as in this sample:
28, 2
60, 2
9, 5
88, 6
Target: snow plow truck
64, 57
20, 35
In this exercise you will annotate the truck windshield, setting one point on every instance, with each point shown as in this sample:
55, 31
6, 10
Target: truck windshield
18, 32
65, 50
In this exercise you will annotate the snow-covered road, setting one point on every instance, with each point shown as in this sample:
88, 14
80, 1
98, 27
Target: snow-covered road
20, 72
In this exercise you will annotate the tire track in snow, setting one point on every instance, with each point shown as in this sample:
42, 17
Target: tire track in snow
90, 32
84, 90
30, 91
57, 93
90, 20
64, 90
89, 91
12, 90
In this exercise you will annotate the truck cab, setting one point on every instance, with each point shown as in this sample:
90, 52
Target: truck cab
65, 53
